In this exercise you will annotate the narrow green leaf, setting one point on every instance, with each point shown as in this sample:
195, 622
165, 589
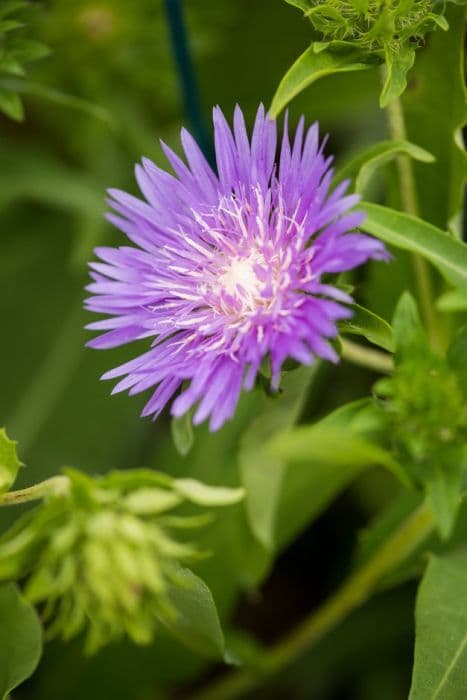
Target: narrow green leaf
409, 333
263, 473
9, 6
410, 233
58, 97
204, 495
370, 326
454, 300
386, 523
10, 25
397, 66
20, 639
362, 167
10, 66
182, 433
362, 417
149, 501
321, 461
443, 490
440, 666
26, 50
435, 109
11, 105
308, 68
457, 357
197, 622
303, 5
9, 462
29, 173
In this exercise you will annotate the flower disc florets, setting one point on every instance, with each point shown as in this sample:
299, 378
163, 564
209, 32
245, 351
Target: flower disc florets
229, 267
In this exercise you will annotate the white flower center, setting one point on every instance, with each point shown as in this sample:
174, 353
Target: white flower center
239, 279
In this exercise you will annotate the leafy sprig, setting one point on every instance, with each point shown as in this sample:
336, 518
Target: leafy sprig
102, 555
16, 51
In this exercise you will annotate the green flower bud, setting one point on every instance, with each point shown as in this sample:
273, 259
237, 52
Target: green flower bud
427, 413
374, 25
100, 555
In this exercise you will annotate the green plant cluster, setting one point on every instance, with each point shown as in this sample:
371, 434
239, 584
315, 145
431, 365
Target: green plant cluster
104, 558
16, 51
374, 25
362, 32
99, 554
425, 403
426, 407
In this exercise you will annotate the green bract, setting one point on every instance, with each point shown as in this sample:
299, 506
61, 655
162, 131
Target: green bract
100, 554
376, 25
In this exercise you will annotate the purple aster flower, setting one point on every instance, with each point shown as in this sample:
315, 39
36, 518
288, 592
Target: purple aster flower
227, 268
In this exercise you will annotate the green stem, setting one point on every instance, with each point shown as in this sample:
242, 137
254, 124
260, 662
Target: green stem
56, 485
367, 357
354, 592
408, 193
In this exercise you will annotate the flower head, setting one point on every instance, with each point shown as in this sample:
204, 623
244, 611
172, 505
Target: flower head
227, 268
103, 555
374, 24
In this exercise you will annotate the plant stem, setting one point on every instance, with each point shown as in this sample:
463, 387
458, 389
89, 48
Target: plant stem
367, 357
355, 591
408, 193
56, 485
186, 72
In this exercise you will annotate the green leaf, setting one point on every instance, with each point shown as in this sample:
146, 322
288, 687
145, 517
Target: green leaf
435, 108
454, 300
411, 233
397, 66
457, 357
26, 50
29, 173
362, 417
9, 462
440, 666
11, 105
20, 639
320, 461
197, 622
443, 489
204, 495
409, 333
72, 102
149, 501
362, 167
182, 433
303, 5
370, 326
263, 473
385, 524
9, 6
308, 68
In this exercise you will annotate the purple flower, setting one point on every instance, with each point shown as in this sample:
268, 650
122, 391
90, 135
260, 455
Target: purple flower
227, 268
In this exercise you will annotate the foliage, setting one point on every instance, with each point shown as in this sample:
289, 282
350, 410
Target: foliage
21, 641
375, 30
350, 480
119, 523
16, 52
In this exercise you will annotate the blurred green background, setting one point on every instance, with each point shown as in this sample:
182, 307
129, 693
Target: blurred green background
54, 170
